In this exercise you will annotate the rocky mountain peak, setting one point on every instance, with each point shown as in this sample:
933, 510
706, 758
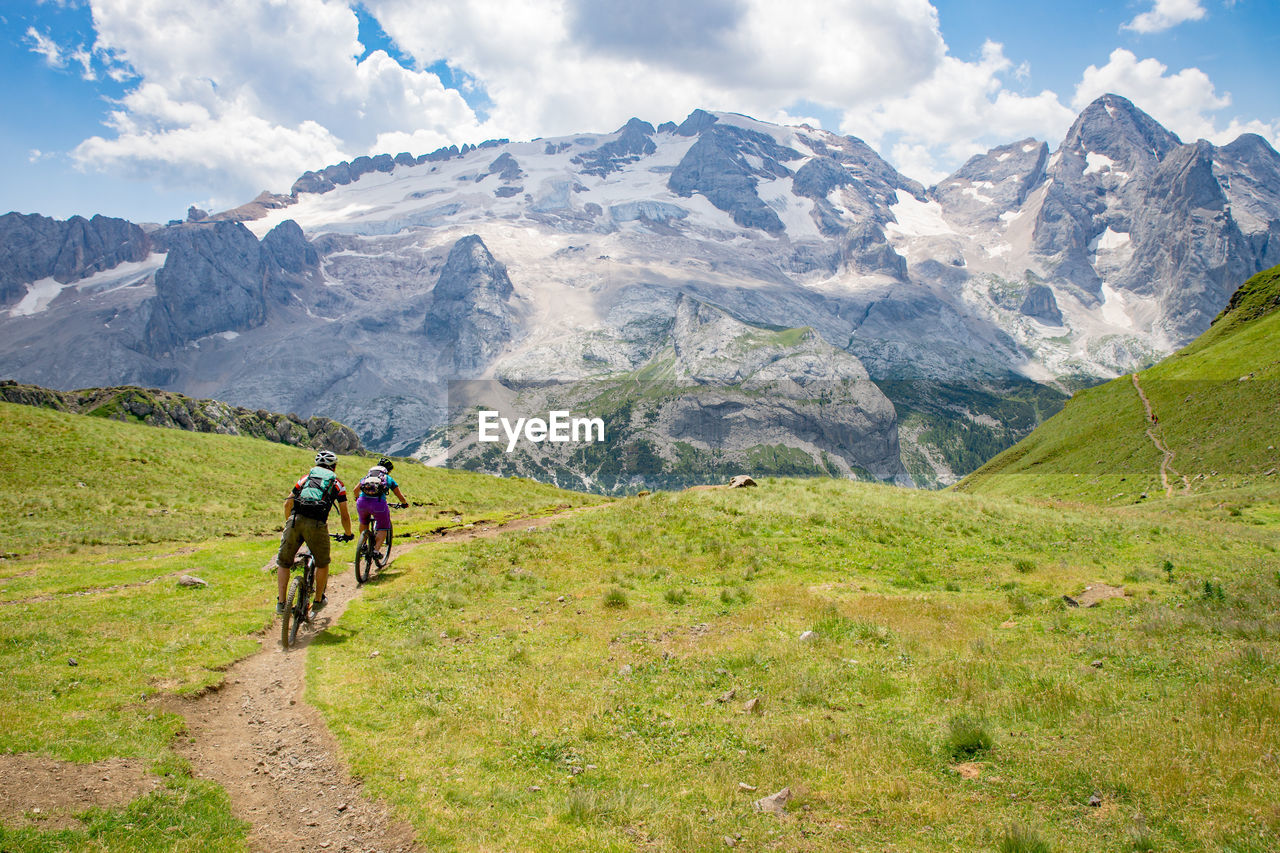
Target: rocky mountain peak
212, 281
1114, 128
289, 260
470, 317
471, 273
990, 184
697, 121
634, 140
725, 165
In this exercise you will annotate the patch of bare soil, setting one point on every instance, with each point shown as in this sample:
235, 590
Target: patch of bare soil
1095, 594
42, 792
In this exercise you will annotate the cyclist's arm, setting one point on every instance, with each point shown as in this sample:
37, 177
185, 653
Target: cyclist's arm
288, 502
346, 517
400, 494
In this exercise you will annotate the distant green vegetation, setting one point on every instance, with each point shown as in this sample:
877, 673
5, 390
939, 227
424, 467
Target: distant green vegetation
496, 716
964, 424
1217, 403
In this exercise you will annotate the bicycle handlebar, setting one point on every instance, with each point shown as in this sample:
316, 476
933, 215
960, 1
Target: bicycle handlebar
341, 537
398, 506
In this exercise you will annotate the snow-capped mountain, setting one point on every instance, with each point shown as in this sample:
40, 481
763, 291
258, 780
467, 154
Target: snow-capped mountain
372, 282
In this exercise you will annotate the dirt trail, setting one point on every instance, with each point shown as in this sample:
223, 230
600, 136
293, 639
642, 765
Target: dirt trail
1167, 455
271, 751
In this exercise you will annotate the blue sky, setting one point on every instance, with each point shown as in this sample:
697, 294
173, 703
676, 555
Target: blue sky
139, 108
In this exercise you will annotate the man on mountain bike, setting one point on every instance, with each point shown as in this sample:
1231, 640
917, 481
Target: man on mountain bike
371, 502
306, 512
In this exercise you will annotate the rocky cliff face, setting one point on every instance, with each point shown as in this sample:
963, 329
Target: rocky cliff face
212, 281
719, 396
725, 166
470, 319
34, 247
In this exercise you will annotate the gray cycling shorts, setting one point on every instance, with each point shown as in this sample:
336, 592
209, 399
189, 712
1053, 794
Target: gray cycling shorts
299, 530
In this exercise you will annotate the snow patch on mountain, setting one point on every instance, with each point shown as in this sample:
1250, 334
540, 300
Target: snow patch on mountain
914, 218
1095, 163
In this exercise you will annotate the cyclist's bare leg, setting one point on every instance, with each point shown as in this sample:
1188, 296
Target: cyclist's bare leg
322, 581
382, 537
282, 582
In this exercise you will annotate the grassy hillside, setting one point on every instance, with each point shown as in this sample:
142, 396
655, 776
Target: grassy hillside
93, 626
499, 717
70, 480
1216, 405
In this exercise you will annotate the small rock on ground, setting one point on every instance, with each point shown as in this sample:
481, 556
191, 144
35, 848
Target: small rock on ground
774, 803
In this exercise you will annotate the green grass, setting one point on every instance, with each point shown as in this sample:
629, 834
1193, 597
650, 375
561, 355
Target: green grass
142, 484
91, 577
498, 716
1217, 401
517, 721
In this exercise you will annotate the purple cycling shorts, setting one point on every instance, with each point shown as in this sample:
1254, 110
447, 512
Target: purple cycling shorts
375, 508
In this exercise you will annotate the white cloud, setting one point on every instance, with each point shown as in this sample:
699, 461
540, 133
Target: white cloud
41, 44
1181, 101
962, 109
254, 94
1269, 131
1166, 14
758, 57
57, 56
233, 152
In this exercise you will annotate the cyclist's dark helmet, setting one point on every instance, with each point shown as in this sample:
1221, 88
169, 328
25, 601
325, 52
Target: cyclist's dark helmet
384, 462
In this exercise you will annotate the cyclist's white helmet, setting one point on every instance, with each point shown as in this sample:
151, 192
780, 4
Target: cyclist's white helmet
326, 458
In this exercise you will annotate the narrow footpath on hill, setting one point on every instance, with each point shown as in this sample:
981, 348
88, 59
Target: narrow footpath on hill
1167, 455
257, 737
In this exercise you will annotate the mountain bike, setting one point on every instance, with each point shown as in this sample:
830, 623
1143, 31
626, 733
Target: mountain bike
297, 604
365, 550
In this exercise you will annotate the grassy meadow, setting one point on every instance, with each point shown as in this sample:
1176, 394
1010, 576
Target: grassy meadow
71, 481
498, 717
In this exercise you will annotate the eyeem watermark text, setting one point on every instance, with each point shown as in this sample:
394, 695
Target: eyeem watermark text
559, 426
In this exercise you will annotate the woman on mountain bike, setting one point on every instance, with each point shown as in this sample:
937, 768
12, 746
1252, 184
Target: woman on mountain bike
371, 502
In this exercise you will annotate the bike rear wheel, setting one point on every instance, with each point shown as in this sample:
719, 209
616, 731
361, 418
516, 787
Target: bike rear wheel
289, 621
302, 603
364, 557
